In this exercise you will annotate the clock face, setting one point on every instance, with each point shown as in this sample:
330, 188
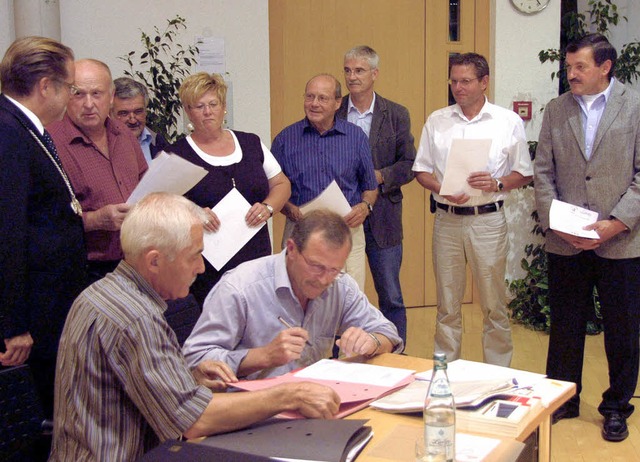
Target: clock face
530, 6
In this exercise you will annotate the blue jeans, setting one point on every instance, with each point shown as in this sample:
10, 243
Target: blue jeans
385, 269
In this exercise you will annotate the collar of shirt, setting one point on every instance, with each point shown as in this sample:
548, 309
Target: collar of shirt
29, 113
337, 129
75, 134
145, 137
484, 112
361, 119
603, 94
128, 271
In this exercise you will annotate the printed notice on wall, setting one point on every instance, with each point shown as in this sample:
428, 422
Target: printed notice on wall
211, 55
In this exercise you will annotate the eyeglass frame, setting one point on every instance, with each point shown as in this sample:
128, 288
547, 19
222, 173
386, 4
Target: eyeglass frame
322, 99
464, 83
71, 87
200, 107
358, 71
318, 269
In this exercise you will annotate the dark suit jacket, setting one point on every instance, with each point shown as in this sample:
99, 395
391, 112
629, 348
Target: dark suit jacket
608, 182
393, 153
42, 253
158, 143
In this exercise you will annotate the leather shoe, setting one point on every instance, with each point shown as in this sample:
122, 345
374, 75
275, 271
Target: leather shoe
564, 413
615, 427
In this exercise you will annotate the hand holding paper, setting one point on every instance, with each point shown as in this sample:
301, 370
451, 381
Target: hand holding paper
465, 156
571, 219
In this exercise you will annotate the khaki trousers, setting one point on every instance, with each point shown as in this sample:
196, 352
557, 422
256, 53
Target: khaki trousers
482, 241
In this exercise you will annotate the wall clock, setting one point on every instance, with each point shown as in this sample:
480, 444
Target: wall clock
530, 6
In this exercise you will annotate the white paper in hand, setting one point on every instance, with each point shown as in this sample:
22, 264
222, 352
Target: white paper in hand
465, 156
233, 234
331, 198
570, 219
168, 173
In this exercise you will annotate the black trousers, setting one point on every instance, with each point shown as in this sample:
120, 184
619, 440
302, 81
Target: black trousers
571, 283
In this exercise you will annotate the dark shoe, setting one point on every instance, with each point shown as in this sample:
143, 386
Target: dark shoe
615, 427
564, 413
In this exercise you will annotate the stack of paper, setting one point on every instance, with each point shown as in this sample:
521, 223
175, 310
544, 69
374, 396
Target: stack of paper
364, 383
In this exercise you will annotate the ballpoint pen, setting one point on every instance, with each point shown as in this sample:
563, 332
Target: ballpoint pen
289, 326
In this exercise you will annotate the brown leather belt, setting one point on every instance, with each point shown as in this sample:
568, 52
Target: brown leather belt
477, 210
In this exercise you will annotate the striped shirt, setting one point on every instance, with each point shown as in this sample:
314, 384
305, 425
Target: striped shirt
122, 384
312, 161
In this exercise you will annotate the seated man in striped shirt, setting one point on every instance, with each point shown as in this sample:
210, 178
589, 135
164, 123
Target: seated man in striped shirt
122, 384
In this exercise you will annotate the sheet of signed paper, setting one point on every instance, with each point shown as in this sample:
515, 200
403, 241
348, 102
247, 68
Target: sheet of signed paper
465, 156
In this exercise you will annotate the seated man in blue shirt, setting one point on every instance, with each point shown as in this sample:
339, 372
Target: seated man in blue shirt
244, 318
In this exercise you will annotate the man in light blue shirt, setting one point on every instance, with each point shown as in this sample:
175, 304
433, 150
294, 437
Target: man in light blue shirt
245, 317
130, 107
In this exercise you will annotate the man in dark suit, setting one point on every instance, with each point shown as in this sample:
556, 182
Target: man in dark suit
589, 155
42, 254
388, 127
130, 107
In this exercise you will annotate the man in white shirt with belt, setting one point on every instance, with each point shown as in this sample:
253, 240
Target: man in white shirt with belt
468, 228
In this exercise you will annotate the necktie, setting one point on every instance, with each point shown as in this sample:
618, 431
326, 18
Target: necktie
48, 142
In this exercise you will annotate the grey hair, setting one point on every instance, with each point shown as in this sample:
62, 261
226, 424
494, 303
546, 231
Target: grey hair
159, 221
127, 88
364, 52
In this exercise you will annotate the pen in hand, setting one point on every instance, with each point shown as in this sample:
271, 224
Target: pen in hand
289, 326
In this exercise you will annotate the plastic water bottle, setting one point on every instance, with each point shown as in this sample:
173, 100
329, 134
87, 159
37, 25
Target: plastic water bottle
439, 415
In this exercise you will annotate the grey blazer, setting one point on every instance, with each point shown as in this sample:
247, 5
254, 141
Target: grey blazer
393, 153
608, 183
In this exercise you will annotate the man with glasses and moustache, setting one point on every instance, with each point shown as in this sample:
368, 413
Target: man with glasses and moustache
104, 162
473, 229
278, 313
321, 148
130, 107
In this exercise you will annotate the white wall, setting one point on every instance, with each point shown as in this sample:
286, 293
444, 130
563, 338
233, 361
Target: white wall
518, 75
108, 29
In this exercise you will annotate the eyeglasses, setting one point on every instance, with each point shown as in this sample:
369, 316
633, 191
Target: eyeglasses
358, 71
318, 270
322, 99
73, 90
579, 68
200, 107
139, 112
463, 83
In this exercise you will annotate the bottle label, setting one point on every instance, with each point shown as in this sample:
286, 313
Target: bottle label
440, 440
440, 388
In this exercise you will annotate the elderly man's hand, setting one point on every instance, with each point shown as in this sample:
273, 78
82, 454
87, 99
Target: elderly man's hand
17, 350
286, 347
358, 214
312, 400
215, 375
355, 341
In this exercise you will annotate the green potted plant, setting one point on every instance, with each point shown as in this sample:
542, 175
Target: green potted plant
161, 66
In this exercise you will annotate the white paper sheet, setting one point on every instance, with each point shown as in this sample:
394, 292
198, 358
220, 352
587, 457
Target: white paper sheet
465, 156
331, 198
570, 219
233, 234
474, 447
168, 173
462, 370
327, 369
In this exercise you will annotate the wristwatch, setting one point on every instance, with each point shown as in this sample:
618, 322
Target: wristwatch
269, 208
369, 206
499, 185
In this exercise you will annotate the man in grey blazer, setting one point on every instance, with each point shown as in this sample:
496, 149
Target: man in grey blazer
388, 128
589, 155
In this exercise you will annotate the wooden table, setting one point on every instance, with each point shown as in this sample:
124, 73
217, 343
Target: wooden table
384, 424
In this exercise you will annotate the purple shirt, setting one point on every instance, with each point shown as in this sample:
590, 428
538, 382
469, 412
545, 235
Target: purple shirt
312, 161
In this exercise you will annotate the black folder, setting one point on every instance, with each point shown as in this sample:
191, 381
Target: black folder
301, 439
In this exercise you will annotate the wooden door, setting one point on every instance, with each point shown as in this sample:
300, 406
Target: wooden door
308, 37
